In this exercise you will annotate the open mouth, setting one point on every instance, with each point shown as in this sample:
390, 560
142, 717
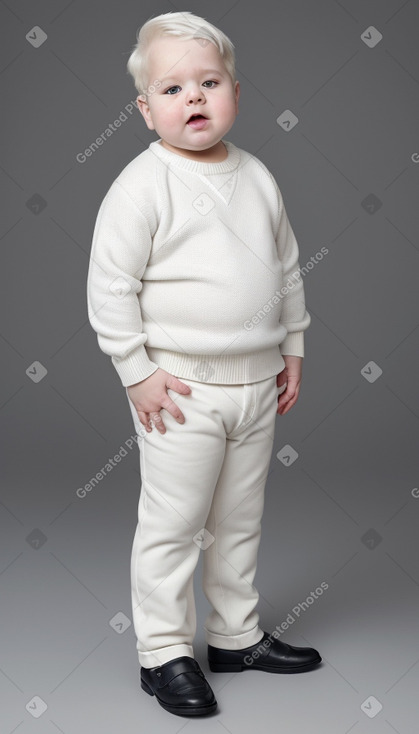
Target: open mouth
197, 117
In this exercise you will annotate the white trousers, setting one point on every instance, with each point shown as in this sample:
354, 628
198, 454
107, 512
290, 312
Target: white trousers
202, 489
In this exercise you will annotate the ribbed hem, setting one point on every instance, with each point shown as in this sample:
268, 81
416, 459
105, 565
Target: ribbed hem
188, 164
293, 344
224, 369
134, 368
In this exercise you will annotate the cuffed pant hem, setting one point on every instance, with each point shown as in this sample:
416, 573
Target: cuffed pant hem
153, 658
234, 642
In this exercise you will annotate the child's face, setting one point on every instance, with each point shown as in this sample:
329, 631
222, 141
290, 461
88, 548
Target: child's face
186, 72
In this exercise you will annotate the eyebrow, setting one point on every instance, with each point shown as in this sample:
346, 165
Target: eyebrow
205, 71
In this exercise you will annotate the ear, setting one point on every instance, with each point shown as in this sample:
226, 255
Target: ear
145, 110
237, 95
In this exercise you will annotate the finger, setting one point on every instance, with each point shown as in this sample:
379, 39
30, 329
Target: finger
172, 408
287, 396
144, 419
286, 401
178, 386
287, 407
158, 422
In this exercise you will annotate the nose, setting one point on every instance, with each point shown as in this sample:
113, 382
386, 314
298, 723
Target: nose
195, 95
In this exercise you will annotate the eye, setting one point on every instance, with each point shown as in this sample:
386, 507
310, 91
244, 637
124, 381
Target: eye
209, 81
174, 87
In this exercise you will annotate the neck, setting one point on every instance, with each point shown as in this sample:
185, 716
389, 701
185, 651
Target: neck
216, 154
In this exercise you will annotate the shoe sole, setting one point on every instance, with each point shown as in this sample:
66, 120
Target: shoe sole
181, 710
238, 667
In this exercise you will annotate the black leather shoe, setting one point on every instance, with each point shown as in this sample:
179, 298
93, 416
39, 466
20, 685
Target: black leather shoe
274, 657
180, 687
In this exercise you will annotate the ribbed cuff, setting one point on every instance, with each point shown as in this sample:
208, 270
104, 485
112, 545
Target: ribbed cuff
293, 344
135, 367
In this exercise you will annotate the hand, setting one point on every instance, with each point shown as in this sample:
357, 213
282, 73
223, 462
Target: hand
150, 395
291, 374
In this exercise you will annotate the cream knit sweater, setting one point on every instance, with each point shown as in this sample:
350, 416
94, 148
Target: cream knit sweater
194, 268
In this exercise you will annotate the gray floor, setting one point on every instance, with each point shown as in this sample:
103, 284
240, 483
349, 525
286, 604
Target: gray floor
68, 637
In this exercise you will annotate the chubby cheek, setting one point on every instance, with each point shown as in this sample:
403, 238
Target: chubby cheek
227, 109
167, 116
226, 104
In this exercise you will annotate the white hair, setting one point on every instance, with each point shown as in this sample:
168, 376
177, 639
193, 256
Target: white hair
184, 25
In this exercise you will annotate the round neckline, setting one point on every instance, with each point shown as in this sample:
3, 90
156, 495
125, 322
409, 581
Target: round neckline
169, 157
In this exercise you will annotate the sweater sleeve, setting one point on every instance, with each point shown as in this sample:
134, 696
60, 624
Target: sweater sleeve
294, 315
120, 251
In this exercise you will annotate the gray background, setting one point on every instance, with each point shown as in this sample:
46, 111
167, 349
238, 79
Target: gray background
345, 512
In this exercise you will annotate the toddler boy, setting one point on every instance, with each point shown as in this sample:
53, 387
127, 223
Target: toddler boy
194, 291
